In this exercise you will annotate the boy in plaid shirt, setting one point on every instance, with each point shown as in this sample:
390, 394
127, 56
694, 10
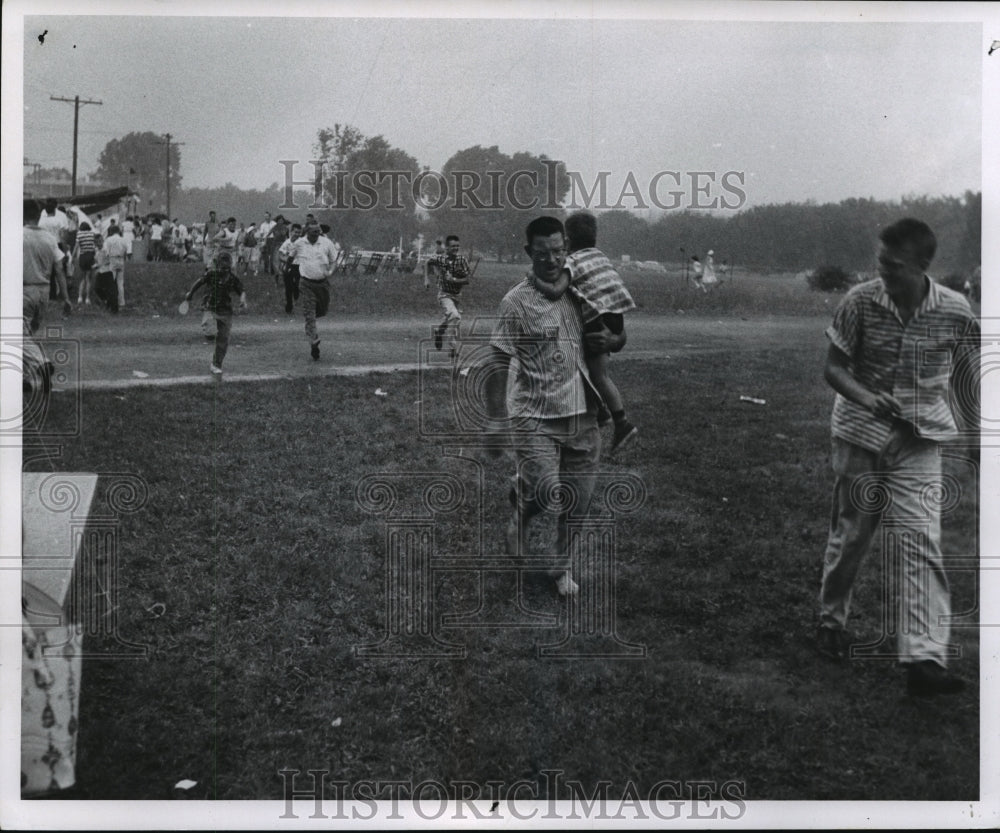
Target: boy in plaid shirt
603, 298
220, 281
453, 273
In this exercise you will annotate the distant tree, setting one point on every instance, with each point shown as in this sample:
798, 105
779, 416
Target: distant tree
247, 205
492, 196
368, 188
53, 173
620, 232
146, 155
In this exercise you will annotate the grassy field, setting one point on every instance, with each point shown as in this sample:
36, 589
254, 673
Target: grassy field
270, 574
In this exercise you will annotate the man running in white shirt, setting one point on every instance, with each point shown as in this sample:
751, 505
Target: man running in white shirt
315, 256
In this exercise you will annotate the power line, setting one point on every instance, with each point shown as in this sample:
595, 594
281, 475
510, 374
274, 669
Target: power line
76, 102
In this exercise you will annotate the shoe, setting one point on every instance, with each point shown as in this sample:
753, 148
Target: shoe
927, 678
603, 416
438, 336
314, 351
566, 586
216, 370
625, 432
831, 643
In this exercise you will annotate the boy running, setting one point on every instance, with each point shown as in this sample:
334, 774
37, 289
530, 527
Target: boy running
220, 281
453, 273
287, 267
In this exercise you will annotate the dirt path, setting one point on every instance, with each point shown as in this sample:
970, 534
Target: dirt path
105, 352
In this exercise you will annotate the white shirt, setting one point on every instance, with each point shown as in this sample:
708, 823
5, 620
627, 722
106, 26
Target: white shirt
54, 223
226, 239
115, 246
315, 260
265, 228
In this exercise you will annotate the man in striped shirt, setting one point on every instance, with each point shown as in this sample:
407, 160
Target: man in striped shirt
596, 284
550, 406
903, 359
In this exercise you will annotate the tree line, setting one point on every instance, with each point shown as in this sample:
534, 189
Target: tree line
376, 195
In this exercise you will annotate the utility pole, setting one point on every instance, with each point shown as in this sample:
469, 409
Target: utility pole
168, 137
76, 102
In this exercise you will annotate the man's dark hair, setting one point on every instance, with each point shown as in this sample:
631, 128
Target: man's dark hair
230, 220
544, 227
911, 233
32, 211
51, 203
449, 238
581, 230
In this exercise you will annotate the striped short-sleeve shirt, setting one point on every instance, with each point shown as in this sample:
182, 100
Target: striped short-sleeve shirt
85, 240
597, 284
546, 338
915, 362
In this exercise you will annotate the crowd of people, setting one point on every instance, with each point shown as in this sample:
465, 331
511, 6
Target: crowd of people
97, 250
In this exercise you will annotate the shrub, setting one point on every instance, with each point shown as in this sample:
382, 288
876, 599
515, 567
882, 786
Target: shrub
829, 279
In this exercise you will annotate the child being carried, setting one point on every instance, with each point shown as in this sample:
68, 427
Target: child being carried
591, 278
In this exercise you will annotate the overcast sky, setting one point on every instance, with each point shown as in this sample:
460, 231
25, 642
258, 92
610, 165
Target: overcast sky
804, 110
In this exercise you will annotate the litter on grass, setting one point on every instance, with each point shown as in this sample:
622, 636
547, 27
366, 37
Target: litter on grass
380, 392
753, 400
139, 374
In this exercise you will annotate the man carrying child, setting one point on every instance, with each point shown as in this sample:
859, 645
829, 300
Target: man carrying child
603, 298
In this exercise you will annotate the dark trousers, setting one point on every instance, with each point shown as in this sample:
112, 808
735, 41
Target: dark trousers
106, 290
291, 277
